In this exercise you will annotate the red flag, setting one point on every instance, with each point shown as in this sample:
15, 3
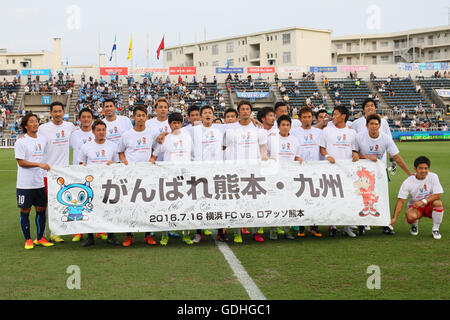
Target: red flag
161, 47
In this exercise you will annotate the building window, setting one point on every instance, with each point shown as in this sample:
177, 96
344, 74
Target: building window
7, 61
169, 56
349, 60
374, 59
287, 57
286, 38
384, 58
431, 54
340, 60
215, 49
230, 48
421, 40
339, 46
384, 44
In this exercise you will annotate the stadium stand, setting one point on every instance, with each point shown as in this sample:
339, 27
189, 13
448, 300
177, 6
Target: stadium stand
301, 93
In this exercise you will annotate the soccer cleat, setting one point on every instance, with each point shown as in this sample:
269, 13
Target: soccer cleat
348, 231
198, 237
207, 232
257, 237
389, 230
436, 234
29, 244
414, 230
128, 241
174, 234
113, 241
43, 242
237, 238
273, 235
102, 236
280, 230
77, 237
221, 238
333, 231
88, 242
361, 230
164, 240
245, 231
260, 231
56, 239
187, 240
289, 236
301, 232
149, 240
315, 232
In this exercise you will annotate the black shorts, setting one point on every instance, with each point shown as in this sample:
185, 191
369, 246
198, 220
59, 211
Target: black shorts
26, 198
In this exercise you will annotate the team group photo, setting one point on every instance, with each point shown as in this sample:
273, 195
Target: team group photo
191, 162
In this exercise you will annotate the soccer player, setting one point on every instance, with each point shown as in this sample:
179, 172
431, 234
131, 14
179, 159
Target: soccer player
309, 139
116, 125
231, 115
338, 142
78, 138
58, 133
159, 123
136, 146
177, 147
283, 147
281, 109
360, 124
99, 151
207, 140
245, 141
322, 119
29, 153
193, 115
266, 116
425, 191
372, 144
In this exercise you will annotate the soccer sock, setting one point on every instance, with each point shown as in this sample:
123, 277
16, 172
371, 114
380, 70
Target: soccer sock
25, 225
40, 223
437, 214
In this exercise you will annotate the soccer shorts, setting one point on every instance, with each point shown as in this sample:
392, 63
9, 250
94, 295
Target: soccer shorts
425, 210
26, 198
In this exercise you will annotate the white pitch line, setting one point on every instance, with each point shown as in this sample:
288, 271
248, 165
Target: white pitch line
240, 272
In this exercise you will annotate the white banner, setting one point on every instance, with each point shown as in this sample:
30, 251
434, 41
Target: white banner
292, 69
209, 195
445, 93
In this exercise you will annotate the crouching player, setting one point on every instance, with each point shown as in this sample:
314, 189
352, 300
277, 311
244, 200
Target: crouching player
425, 191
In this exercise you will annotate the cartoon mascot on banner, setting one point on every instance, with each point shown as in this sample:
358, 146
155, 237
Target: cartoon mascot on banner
365, 186
77, 198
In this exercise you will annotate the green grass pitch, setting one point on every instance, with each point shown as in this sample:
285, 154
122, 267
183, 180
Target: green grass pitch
309, 268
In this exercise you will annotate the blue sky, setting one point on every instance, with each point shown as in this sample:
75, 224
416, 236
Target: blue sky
31, 25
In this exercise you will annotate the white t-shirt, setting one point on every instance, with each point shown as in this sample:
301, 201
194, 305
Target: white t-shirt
243, 142
176, 148
158, 126
339, 143
360, 124
207, 142
367, 146
309, 141
137, 146
115, 129
77, 140
420, 189
283, 148
33, 150
94, 153
58, 139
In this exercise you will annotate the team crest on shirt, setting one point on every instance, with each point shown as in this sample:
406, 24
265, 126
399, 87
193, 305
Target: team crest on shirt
424, 189
77, 199
365, 186
374, 148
